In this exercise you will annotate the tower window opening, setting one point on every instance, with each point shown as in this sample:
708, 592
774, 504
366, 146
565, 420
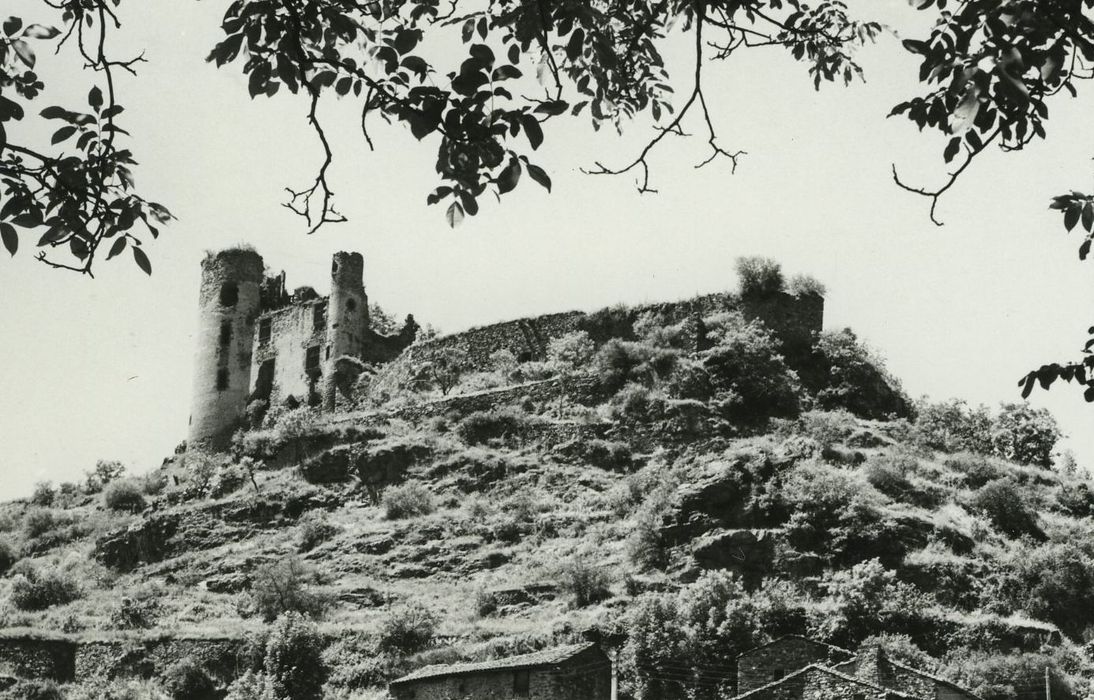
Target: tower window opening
521, 683
319, 317
264, 329
222, 379
351, 305
225, 333
229, 294
311, 361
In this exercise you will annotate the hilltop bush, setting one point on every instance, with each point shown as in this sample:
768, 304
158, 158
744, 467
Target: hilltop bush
186, 679
759, 276
502, 424
44, 494
845, 374
806, 285
1025, 434
952, 426
407, 630
38, 589
286, 586
314, 531
751, 381
406, 501
1002, 503
126, 495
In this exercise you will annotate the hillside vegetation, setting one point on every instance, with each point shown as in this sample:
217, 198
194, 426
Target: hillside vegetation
699, 501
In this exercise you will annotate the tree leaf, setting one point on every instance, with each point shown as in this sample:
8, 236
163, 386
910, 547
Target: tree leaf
23, 50
1088, 216
41, 31
532, 129
12, 25
62, 134
10, 238
118, 247
509, 177
1071, 217
95, 98
142, 260
539, 175
454, 214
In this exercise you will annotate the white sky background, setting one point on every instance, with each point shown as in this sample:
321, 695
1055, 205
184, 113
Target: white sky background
102, 368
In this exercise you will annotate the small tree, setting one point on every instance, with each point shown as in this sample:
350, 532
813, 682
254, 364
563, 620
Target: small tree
286, 586
294, 659
126, 495
759, 277
44, 494
446, 367
408, 629
568, 355
1025, 434
105, 471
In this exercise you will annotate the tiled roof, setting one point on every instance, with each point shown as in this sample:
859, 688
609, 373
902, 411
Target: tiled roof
545, 657
830, 647
832, 672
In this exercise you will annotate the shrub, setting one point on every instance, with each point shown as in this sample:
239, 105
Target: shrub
1000, 676
105, 471
141, 612
603, 454
620, 362
407, 630
636, 403
889, 474
586, 582
314, 531
749, 376
294, 658
35, 589
1024, 434
284, 587
34, 690
647, 546
806, 285
951, 426
486, 603
39, 521
1003, 504
67, 494
251, 685
867, 600
977, 470
44, 494
845, 374
496, 424
186, 679
759, 276
406, 501
126, 495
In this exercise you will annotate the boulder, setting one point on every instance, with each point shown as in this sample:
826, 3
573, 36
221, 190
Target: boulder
748, 553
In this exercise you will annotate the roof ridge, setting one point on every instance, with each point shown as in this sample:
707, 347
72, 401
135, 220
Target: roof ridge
797, 636
930, 676
542, 657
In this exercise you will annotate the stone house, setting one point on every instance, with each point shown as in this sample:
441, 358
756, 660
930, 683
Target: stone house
797, 668
574, 672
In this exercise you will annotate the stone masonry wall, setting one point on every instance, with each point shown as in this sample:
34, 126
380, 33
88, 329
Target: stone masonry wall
780, 658
826, 686
38, 657
293, 330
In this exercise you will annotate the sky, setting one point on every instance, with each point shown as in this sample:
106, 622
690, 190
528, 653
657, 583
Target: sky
101, 368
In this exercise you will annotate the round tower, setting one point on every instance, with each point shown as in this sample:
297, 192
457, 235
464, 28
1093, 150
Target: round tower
347, 318
231, 288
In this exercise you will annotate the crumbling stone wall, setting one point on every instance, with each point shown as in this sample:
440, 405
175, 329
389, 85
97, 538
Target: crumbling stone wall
39, 657
146, 658
292, 330
828, 686
794, 320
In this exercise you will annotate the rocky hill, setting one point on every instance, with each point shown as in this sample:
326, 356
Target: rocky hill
693, 501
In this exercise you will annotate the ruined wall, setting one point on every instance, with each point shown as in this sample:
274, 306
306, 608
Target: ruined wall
780, 658
39, 657
292, 331
826, 686
150, 657
229, 301
794, 320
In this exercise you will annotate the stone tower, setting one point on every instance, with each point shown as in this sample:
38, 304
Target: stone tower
231, 283
347, 319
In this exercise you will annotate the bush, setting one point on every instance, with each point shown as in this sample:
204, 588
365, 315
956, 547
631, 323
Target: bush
976, 470
867, 600
8, 557
603, 454
105, 471
586, 582
951, 426
34, 589
314, 531
647, 546
186, 679
294, 659
486, 603
1004, 505
889, 474
806, 285
44, 494
845, 374
999, 676
126, 495
759, 276
503, 424
284, 587
406, 501
40, 521
407, 630
141, 612
34, 690
1025, 434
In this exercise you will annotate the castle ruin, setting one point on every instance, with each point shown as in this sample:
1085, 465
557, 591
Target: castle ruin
257, 342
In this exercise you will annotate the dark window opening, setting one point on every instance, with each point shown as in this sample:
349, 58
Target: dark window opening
521, 683
229, 294
265, 380
333, 266
858, 696
351, 305
328, 352
225, 333
265, 327
311, 360
222, 379
524, 357
777, 674
319, 317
